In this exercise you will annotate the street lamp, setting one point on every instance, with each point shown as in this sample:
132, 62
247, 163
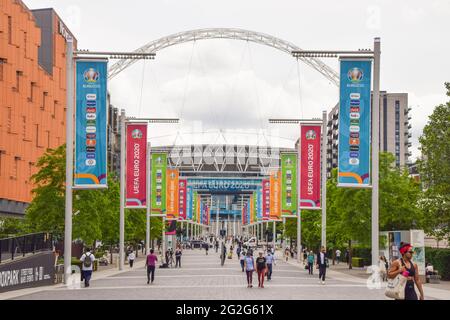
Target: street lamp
70, 96
374, 54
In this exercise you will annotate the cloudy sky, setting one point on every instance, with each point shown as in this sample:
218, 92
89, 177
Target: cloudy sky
226, 90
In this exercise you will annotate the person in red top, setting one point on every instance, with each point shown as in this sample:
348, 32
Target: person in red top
150, 263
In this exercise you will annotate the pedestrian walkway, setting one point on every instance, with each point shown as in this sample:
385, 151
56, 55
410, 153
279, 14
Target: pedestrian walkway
202, 277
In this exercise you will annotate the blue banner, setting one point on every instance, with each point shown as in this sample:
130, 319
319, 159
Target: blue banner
259, 203
354, 123
91, 120
189, 202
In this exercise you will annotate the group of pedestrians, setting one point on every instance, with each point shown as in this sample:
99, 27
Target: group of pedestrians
262, 265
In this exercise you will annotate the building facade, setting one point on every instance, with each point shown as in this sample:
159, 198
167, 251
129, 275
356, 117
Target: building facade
32, 97
395, 130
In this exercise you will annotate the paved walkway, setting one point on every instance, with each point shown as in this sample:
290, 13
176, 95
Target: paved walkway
202, 277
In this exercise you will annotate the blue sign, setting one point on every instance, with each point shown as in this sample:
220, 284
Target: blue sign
259, 203
91, 120
189, 202
354, 123
224, 184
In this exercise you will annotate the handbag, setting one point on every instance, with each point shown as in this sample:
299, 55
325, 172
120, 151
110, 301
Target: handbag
395, 288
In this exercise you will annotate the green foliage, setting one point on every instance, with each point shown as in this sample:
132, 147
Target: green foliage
357, 262
440, 259
434, 169
11, 227
96, 211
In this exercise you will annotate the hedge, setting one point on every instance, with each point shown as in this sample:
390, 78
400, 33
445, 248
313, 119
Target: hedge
440, 259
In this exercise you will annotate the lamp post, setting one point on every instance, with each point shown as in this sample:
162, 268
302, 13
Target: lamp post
374, 54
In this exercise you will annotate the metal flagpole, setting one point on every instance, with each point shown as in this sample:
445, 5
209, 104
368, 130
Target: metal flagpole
274, 235
324, 179
122, 191
375, 148
69, 161
149, 183
217, 217
299, 221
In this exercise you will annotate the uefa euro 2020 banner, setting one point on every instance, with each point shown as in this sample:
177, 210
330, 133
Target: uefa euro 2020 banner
309, 148
266, 199
90, 124
275, 195
354, 123
172, 194
288, 184
159, 168
182, 194
136, 163
189, 202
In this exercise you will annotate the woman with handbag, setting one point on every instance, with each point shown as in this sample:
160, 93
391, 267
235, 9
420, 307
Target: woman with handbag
405, 267
249, 266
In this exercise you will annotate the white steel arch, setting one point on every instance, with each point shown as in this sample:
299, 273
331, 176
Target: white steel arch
225, 33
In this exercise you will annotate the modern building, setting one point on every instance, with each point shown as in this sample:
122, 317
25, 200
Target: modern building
32, 96
395, 129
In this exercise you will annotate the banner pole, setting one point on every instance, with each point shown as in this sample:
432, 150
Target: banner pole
324, 179
69, 162
148, 194
299, 221
122, 191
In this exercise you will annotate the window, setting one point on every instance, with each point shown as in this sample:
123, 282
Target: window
9, 122
25, 43
15, 168
48, 139
2, 62
18, 74
55, 103
9, 29
30, 170
32, 86
44, 94
37, 135
2, 152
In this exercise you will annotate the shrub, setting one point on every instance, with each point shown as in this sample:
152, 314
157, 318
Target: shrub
440, 259
357, 262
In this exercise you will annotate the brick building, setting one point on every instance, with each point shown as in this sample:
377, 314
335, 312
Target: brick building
32, 96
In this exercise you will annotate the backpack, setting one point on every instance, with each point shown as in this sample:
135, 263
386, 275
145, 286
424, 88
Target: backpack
87, 263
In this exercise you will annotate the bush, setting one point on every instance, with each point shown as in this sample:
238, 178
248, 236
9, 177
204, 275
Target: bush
357, 262
440, 259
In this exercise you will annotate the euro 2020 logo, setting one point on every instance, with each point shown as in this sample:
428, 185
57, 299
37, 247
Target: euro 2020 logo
91, 75
310, 135
136, 134
355, 74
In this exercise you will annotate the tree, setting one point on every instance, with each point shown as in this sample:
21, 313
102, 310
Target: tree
434, 169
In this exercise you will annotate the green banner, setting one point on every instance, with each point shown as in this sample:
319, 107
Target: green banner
255, 207
194, 207
159, 168
288, 184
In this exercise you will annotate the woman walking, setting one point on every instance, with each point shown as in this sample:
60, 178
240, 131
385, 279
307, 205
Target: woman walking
242, 260
249, 266
409, 269
261, 268
310, 262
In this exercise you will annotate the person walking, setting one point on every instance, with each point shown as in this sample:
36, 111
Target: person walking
223, 254
338, 256
242, 260
409, 269
382, 268
261, 268
322, 264
87, 264
178, 254
286, 254
249, 266
310, 259
206, 247
270, 261
150, 263
217, 246
305, 256
238, 252
131, 257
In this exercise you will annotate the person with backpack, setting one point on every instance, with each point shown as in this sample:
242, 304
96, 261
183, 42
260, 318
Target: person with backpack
87, 264
150, 263
131, 257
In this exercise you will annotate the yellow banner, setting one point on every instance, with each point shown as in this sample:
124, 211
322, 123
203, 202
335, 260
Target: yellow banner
172, 194
275, 195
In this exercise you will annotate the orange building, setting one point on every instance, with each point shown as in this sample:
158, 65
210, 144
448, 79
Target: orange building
32, 96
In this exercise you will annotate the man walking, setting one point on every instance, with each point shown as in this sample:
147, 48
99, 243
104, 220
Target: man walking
270, 260
87, 264
178, 254
150, 263
338, 256
322, 264
131, 257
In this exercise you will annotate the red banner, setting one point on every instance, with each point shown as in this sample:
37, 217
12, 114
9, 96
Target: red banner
266, 199
136, 150
310, 166
182, 190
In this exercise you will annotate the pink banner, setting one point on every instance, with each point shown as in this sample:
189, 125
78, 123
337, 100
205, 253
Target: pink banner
266, 199
136, 150
182, 189
310, 166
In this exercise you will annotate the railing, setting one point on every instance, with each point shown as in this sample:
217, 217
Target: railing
14, 247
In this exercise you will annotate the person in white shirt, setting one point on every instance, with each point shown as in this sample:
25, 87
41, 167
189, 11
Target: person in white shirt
338, 256
131, 257
87, 265
270, 261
